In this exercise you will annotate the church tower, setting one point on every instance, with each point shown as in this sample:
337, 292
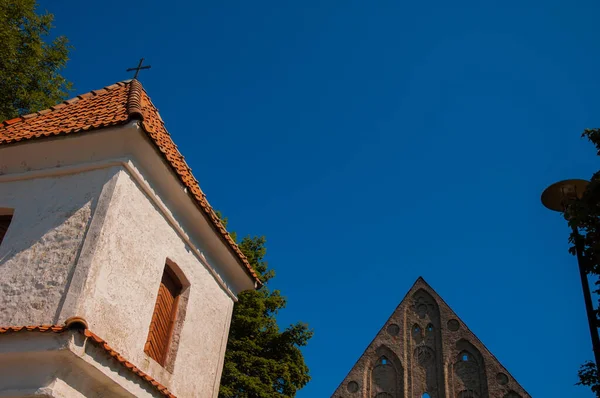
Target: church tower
117, 278
425, 351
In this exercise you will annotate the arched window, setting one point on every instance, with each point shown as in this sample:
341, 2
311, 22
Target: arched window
385, 374
466, 356
417, 333
429, 328
163, 318
384, 377
469, 372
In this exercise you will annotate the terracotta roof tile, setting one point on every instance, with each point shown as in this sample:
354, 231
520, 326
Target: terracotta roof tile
115, 105
99, 342
12, 121
58, 106
39, 328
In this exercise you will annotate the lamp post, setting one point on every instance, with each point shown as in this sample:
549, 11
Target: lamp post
558, 197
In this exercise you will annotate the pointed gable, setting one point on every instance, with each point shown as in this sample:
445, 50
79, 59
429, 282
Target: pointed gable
425, 348
115, 105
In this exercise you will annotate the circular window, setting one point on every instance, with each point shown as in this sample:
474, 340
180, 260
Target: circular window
453, 325
502, 379
352, 386
393, 329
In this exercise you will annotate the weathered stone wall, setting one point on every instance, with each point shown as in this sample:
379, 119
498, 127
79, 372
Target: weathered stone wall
434, 353
125, 270
93, 244
42, 246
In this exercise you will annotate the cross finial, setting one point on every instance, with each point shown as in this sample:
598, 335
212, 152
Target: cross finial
139, 67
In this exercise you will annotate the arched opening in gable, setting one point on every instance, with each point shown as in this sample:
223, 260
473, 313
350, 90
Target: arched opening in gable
426, 369
468, 372
386, 375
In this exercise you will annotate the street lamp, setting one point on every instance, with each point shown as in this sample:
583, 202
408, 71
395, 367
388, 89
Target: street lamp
558, 197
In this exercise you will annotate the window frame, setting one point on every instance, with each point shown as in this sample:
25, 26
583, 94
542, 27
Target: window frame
172, 275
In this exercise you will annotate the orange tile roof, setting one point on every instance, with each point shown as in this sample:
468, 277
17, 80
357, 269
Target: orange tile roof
79, 326
116, 105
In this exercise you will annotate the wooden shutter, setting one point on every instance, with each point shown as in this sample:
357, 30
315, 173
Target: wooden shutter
163, 319
4, 223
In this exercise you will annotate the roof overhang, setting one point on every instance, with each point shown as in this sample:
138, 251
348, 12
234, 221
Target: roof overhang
129, 147
57, 358
118, 105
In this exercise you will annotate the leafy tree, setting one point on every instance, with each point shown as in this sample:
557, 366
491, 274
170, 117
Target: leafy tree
29, 66
585, 215
262, 361
588, 377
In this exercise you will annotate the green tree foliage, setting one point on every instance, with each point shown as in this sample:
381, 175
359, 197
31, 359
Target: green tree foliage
262, 361
588, 377
30, 68
585, 215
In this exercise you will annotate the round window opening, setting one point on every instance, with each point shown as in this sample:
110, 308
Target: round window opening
353, 386
502, 379
393, 329
453, 325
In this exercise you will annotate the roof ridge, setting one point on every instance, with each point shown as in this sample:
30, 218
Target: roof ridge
134, 99
130, 102
61, 105
135, 108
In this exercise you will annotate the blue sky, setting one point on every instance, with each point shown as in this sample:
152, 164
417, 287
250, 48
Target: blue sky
376, 141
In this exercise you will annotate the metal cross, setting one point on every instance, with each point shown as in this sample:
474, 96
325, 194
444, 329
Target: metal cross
139, 67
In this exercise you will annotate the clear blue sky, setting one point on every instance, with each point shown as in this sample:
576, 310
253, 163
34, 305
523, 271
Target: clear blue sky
376, 141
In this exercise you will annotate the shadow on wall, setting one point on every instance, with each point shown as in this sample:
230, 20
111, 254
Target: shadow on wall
51, 217
80, 382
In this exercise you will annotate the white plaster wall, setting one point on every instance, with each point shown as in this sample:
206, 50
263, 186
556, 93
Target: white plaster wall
41, 248
64, 365
87, 241
120, 292
127, 146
